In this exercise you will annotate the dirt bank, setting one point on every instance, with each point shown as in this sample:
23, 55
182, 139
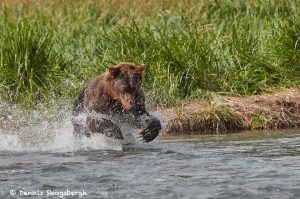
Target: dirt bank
229, 114
277, 110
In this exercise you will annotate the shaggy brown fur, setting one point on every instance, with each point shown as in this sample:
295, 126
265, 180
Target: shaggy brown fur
117, 93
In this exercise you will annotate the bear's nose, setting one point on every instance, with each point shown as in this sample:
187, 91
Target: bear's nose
127, 102
127, 106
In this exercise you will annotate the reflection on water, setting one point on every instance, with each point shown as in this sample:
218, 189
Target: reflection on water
248, 165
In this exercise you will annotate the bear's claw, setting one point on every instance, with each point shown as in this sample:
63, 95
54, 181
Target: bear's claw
147, 136
151, 132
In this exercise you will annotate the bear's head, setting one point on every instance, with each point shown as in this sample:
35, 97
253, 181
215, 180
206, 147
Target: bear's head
126, 82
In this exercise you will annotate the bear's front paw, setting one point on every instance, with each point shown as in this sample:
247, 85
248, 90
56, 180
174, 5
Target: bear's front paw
151, 131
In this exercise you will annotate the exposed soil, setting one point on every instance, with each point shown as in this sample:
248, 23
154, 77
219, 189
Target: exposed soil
277, 110
229, 114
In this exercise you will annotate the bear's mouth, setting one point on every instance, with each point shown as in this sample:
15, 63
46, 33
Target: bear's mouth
127, 101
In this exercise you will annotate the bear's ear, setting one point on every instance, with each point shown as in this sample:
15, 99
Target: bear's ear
142, 68
114, 71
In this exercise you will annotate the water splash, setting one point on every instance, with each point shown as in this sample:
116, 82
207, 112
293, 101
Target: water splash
51, 139
48, 128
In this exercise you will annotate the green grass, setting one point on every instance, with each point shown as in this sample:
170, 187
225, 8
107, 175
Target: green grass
50, 50
28, 60
258, 122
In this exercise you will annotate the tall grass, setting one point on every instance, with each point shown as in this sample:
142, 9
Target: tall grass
51, 48
28, 60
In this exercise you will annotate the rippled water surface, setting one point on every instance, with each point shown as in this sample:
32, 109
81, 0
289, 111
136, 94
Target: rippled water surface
248, 165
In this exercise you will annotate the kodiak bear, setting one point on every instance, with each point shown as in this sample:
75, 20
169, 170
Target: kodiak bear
116, 95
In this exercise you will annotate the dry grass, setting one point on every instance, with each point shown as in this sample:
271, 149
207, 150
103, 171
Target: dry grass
268, 111
123, 10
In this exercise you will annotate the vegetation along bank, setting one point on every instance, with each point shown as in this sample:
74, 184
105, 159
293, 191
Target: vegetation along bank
195, 51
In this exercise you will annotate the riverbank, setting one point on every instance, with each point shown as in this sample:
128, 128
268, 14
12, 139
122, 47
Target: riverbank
277, 110
220, 114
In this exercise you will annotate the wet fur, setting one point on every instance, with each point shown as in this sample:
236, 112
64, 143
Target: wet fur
104, 95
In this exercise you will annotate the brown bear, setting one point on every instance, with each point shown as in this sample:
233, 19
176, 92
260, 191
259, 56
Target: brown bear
116, 95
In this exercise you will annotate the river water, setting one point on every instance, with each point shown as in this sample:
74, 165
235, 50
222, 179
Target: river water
246, 165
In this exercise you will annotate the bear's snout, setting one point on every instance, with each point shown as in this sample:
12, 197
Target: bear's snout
127, 101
